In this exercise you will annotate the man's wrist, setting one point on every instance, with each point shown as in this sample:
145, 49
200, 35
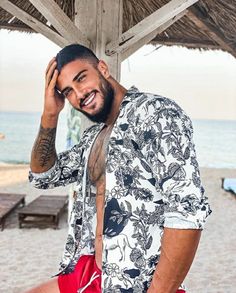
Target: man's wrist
49, 120
162, 285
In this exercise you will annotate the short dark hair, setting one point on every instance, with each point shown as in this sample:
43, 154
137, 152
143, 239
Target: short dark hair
73, 52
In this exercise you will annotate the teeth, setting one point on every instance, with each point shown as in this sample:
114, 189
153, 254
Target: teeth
89, 100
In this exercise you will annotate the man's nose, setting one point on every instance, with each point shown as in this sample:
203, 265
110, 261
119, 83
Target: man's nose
79, 92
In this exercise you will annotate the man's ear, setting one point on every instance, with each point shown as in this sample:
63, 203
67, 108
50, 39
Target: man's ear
103, 68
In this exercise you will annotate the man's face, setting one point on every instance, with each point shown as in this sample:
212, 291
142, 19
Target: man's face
87, 89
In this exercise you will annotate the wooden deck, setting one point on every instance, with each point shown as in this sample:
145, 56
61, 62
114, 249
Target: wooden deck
8, 202
44, 211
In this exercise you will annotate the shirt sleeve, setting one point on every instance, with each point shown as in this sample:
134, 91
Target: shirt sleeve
64, 171
173, 159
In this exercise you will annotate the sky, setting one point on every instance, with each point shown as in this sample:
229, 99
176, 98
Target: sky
201, 82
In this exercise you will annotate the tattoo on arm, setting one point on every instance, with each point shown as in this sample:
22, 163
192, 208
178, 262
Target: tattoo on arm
44, 152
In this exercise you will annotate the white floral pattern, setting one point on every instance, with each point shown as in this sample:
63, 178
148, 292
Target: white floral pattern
152, 182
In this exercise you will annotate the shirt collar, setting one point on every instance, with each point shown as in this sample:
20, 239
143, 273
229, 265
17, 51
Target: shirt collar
129, 96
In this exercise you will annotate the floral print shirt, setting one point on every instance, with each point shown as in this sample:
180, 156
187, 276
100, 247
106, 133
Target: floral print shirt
152, 182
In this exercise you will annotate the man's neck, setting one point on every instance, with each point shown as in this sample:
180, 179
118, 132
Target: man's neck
119, 93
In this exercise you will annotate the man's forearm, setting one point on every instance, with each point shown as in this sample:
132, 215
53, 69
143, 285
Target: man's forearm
43, 154
177, 252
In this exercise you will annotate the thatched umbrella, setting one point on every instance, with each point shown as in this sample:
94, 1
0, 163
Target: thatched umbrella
209, 24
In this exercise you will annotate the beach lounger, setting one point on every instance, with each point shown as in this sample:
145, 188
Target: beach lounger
229, 184
8, 202
44, 211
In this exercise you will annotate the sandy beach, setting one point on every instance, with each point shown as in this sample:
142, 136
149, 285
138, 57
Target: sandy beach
31, 255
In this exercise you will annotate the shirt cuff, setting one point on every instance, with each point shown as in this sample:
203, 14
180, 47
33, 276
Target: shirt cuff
178, 222
45, 174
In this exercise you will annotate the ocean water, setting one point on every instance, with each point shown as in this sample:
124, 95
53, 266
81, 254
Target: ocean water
215, 140
20, 130
215, 143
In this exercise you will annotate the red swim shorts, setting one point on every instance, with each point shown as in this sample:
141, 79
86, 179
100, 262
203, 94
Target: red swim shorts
85, 278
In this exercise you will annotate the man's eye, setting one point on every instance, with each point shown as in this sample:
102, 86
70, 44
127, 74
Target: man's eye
67, 93
82, 77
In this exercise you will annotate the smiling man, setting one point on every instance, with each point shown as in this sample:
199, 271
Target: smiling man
139, 207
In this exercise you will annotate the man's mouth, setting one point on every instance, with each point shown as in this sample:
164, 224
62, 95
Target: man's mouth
88, 100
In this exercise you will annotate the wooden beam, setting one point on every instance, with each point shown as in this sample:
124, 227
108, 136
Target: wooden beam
204, 25
16, 27
186, 43
148, 25
101, 21
151, 36
33, 23
62, 23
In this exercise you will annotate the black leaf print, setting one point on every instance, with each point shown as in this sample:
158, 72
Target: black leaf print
149, 242
124, 126
129, 206
187, 153
146, 166
176, 171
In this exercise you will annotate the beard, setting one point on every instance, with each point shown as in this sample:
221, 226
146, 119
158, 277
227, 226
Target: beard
108, 98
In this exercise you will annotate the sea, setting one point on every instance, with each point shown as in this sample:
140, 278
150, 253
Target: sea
215, 140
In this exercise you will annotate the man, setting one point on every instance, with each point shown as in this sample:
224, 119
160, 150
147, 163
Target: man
139, 207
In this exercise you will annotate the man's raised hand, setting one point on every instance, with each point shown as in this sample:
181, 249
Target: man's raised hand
54, 102
44, 154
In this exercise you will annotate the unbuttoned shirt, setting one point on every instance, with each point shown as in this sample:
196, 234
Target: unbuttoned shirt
152, 182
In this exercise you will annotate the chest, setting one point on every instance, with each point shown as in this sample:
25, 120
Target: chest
96, 162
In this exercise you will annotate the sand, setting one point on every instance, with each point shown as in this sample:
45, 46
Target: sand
31, 255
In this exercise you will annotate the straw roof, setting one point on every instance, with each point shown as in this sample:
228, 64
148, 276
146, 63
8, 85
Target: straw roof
209, 24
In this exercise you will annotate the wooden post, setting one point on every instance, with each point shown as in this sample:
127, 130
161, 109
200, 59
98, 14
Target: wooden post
101, 22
